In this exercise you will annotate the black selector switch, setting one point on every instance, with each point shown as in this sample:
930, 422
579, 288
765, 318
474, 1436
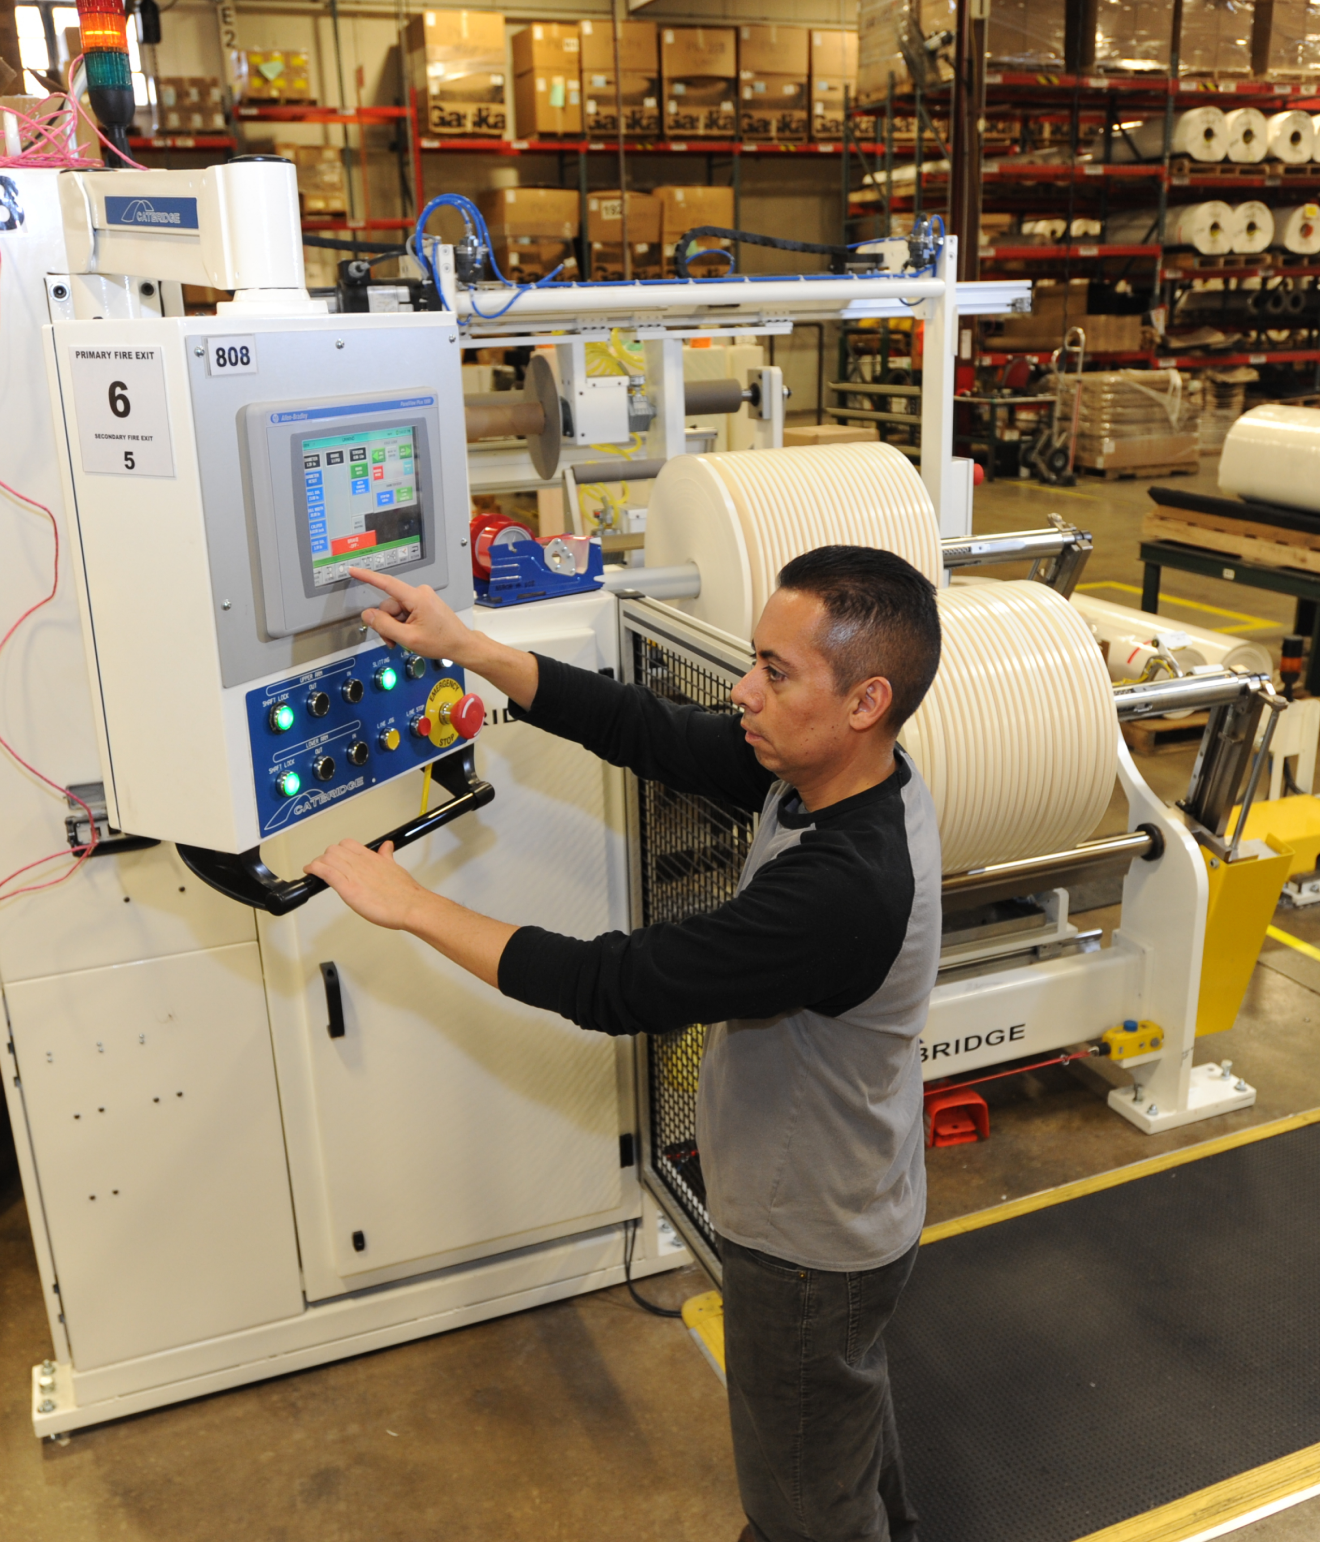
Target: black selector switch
358, 751
352, 691
323, 767
318, 704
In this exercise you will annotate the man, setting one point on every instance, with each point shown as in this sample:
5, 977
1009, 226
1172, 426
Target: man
815, 978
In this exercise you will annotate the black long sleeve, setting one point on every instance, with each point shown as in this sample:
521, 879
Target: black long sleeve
686, 748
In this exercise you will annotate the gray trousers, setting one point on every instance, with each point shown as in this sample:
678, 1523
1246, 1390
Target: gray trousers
809, 1401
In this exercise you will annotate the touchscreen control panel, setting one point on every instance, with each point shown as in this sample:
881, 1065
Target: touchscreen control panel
362, 503
329, 732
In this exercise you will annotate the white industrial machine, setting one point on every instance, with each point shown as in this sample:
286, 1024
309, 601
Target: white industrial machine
254, 1133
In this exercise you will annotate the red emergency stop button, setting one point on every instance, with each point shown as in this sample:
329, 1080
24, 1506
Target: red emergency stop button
465, 716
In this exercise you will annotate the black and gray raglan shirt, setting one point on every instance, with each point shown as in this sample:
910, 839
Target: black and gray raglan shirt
814, 981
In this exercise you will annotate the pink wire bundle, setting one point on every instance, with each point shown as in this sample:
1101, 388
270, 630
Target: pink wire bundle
48, 136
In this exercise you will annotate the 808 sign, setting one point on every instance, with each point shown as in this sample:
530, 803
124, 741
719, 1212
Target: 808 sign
231, 355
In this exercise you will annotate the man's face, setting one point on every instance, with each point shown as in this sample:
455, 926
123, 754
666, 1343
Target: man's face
793, 716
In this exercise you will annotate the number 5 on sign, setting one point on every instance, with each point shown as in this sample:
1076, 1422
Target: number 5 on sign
123, 414
231, 355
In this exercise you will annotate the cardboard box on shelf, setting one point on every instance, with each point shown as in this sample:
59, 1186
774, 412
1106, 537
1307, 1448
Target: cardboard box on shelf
456, 65
546, 104
605, 218
683, 208
272, 75
192, 120
639, 47
833, 59
322, 182
688, 51
829, 433
773, 107
553, 47
641, 105
542, 213
773, 51
525, 259
1058, 306
1130, 452
700, 107
645, 260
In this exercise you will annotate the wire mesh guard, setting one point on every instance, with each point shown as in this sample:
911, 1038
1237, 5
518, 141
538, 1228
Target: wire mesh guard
692, 851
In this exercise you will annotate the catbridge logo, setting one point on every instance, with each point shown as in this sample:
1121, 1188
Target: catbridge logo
152, 213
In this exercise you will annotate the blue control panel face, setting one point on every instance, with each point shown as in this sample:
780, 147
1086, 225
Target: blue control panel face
333, 731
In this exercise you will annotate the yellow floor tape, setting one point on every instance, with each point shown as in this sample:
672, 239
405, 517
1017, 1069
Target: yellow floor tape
1293, 942
1251, 623
1194, 1514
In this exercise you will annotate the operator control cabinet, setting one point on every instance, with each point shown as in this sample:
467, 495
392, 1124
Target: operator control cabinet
222, 477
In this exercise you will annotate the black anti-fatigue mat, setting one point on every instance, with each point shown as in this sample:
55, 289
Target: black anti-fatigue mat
1070, 1368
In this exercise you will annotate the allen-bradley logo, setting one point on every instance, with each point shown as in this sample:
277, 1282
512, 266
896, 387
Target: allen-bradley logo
152, 213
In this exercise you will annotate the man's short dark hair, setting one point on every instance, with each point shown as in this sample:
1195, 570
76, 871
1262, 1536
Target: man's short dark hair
883, 620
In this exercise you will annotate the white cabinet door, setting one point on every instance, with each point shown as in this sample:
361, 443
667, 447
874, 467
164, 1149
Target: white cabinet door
151, 1103
450, 1123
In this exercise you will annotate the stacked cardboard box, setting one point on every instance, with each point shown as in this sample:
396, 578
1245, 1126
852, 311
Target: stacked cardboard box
322, 183
833, 69
547, 81
456, 67
1056, 307
639, 71
1132, 418
271, 75
190, 104
1030, 32
605, 233
773, 70
684, 208
699, 66
532, 230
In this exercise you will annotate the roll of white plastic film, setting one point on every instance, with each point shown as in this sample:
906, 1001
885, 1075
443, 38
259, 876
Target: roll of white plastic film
1253, 227
1272, 454
1017, 739
741, 516
1201, 133
1248, 135
1291, 137
1207, 227
1297, 230
1315, 124
1131, 636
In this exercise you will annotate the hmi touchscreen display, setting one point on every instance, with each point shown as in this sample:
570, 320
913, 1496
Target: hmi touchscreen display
363, 504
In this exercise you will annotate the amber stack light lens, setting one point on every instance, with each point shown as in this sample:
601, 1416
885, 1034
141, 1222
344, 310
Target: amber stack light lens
109, 77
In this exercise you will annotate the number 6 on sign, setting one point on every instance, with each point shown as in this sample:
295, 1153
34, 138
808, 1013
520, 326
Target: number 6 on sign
123, 410
231, 355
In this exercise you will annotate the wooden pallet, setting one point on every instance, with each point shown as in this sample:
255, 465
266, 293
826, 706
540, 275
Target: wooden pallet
1162, 735
1266, 545
1194, 262
1127, 473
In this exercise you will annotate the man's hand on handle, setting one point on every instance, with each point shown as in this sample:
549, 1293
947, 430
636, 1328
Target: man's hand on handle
415, 617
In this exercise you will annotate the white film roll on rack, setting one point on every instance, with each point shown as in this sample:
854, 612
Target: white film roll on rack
1291, 136
1248, 135
1207, 227
1297, 230
1272, 454
1201, 133
1253, 227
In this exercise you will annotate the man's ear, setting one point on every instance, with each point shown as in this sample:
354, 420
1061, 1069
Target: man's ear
871, 701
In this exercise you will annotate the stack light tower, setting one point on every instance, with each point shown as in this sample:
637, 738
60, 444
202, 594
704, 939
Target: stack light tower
104, 30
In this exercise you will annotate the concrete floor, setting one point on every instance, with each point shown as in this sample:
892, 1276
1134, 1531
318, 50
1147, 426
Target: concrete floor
589, 1420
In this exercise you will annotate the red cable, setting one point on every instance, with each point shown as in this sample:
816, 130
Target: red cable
1081, 1054
83, 851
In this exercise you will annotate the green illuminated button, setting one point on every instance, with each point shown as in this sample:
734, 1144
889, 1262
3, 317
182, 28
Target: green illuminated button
386, 677
288, 784
282, 719
415, 668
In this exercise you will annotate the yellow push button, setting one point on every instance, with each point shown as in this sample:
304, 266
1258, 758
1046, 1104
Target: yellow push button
390, 739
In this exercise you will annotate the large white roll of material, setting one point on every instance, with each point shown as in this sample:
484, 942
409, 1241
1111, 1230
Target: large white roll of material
741, 516
1253, 227
1207, 227
1291, 137
1200, 133
1248, 135
1297, 230
1315, 124
1272, 454
1018, 738
1131, 633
